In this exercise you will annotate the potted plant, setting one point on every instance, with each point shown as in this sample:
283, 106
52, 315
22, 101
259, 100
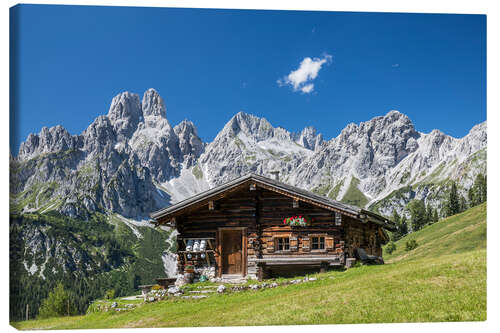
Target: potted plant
298, 221
189, 269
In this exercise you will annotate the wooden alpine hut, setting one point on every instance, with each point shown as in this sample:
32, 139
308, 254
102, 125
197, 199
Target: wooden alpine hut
256, 227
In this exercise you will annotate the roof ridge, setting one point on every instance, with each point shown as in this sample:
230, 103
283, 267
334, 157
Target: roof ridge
288, 189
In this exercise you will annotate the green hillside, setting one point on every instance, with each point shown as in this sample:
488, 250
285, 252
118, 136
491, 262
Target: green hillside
456, 234
444, 279
88, 257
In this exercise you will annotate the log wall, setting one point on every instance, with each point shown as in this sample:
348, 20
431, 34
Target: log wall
261, 212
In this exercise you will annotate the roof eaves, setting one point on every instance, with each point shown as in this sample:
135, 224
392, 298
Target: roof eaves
279, 185
197, 197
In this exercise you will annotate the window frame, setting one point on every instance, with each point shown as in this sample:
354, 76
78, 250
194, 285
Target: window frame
321, 240
285, 244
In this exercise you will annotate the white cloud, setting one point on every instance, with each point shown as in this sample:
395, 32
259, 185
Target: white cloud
307, 88
301, 78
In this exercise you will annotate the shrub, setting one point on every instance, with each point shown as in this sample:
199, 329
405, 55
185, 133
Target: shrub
58, 303
411, 244
156, 287
110, 294
391, 247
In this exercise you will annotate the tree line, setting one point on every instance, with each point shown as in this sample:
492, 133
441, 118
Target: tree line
67, 292
421, 214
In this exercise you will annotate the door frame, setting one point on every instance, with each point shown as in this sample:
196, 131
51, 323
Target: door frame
244, 258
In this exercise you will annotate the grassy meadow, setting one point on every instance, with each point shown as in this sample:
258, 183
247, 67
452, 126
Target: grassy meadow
443, 279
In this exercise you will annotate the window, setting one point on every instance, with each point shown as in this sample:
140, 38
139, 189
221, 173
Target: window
317, 243
283, 244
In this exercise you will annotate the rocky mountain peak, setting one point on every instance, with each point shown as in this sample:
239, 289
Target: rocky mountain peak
153, 104
124, 160
253, 126
99, 135
394, 127
125, 113
49, 140
185, 127
478, 132
309, 139
190, 144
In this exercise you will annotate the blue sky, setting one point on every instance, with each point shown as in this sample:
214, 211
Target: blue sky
209, 64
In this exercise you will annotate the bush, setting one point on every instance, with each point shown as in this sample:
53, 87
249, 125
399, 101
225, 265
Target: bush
58, 303
391, 247
110, 294
411, 244
156, 287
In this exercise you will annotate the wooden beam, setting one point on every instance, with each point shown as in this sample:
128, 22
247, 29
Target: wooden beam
211, 205
270, 188
295, 203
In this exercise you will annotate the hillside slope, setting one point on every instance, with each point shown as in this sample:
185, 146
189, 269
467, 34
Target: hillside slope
444, 279
454, 235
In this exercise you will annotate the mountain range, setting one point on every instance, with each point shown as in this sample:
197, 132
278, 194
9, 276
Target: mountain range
132, 161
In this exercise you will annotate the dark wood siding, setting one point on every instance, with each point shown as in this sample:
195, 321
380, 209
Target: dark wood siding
260, 213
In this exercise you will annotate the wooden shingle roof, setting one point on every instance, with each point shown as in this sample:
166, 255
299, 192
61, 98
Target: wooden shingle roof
280, 187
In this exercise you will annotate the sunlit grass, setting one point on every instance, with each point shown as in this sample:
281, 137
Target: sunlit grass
444, 279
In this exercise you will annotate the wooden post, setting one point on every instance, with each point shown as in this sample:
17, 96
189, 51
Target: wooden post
261, 274
323, 267
27, 311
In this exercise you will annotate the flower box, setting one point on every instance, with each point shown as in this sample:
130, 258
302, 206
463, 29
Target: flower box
298, 221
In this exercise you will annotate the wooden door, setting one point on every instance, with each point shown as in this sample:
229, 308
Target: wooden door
232, 254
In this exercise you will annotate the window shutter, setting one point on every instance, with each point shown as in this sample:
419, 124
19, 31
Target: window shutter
270, 245
329, 243
306, 244
294, 243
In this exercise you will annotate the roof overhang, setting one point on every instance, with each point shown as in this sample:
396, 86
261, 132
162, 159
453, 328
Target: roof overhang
220, 191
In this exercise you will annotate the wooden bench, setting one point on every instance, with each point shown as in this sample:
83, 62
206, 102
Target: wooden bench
298, 260
145, 289
166, 282
323, 262
368, 258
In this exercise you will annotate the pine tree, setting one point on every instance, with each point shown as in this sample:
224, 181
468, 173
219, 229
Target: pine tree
453, 204
463, 204
403, 226
471, 196
435, 216
478, 191
428, 215
396, 219
417, 213
480, 188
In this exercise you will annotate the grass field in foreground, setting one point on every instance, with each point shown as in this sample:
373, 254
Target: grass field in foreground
441, 280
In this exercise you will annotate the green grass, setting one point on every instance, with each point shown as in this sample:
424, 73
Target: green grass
197, 172
444, 279
322, 189
454, 235
335, 192
353, 195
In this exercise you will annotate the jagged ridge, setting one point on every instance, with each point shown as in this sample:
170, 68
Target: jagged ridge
131, 161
